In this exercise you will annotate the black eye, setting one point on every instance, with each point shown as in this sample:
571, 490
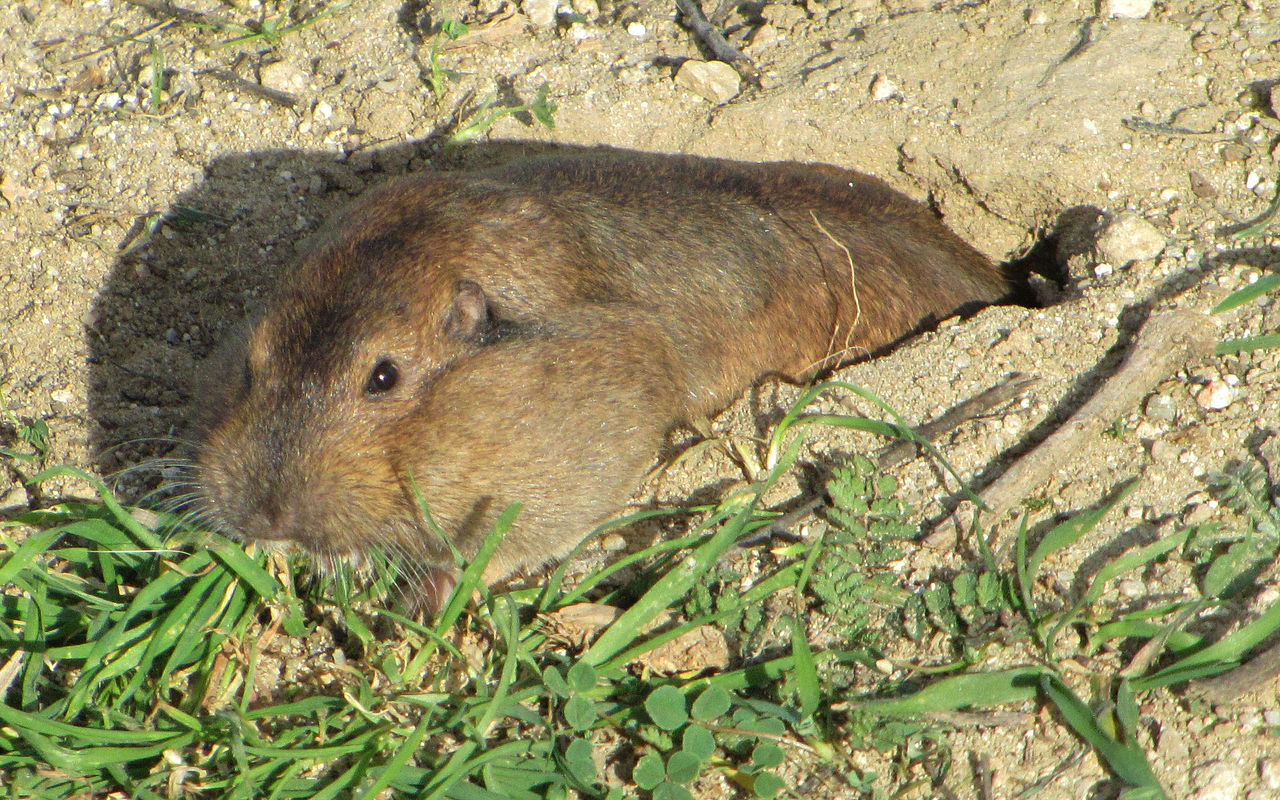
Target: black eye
383, 378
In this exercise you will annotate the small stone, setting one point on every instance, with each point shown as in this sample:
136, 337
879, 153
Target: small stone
637, 29
1168, 195
79, 150
1164, 452
1037, 16
1197, 514
1128, 9
1161, 408
1215, 395
1200, 185
1102, 269
714, 81
322, 111
62, 396
283, 76
540, 12
1269, 768
590, 9
1234, 152
765, 36
1128, 237
1252, 180
784, 16
1217, 780
882, 88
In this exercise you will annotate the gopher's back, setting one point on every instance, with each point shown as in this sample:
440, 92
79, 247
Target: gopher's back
756, 268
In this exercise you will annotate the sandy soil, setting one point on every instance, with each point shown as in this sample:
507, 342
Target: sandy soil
138, 228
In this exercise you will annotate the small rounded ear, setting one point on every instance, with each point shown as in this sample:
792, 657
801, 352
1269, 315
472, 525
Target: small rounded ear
469, 318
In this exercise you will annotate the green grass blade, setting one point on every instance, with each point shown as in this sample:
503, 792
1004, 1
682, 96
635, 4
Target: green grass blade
1222, 655
1128, 762
1248, 293
1069, 532
977, 689
1248, 343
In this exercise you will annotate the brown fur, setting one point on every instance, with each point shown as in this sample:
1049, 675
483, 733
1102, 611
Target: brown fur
550, 321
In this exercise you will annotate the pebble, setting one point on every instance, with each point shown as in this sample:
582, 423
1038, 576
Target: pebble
637, 30
540, 12
1269, 768
1217, 780
1234, 152
783, 15
1160, 407
1200, 185
882, 88
1129, 9
283, 76
1215, 395
714, 81
1128, 237
1164, 452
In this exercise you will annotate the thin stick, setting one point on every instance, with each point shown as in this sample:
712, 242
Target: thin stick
1164, 342
956, 416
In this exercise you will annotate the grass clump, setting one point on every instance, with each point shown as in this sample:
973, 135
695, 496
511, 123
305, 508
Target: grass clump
157, 665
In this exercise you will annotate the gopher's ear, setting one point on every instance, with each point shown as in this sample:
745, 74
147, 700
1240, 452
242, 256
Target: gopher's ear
468, 320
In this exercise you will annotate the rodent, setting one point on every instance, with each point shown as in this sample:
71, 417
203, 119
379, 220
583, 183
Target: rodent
531, 332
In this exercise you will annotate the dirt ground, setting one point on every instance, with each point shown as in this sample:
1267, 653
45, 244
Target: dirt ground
139, 225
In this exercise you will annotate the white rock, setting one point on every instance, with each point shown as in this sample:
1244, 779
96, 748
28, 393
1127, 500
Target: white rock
1217, 781
283, 76
1215, 395
1128, 9
1269, 768
540, 12
715, 81
882, 88
637, 29
1128, 237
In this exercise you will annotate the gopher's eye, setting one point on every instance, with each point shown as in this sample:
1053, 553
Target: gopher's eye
383, 378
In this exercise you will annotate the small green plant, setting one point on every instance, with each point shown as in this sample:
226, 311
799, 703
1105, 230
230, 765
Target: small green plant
869, 527
269, 31
157, 77
1235, 556
34, 434
542, 109
1117, 430
438, 75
